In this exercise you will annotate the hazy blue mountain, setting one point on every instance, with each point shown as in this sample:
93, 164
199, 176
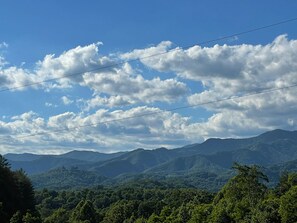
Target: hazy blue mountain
271, 151
44, 164
215, 145
34, 164
90, 155
22, 157
214, 156
276, 135
133, 162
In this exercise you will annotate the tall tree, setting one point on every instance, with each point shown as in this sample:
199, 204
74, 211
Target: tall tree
16, 193
84, 211
59, 216
239, 197
26, 199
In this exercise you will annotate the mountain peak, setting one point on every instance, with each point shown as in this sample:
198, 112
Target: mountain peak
278, 134
161, 149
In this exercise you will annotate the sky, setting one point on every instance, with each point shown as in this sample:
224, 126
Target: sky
81, 75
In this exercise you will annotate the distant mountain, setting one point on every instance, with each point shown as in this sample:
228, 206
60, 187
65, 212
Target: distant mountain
34, 164
133, 162
90, 156
214, 156
22, 157
276, 135
215, 145
266, 150
44, 164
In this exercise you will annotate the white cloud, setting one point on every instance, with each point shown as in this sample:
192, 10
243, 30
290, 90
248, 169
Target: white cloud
71, 65
153, 52
66, 100
224, 71
227, 71
118, 85
3, 62
159, 128
118, 130
224, 63
17, 78
48, 104
123, 89
3, 45
112, 101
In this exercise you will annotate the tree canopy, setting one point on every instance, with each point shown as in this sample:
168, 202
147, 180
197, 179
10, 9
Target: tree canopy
244, 198
17, 201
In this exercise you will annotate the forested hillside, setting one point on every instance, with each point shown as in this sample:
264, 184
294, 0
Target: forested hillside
205, 166
244, 198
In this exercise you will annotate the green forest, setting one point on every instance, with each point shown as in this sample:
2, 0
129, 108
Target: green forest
244, 198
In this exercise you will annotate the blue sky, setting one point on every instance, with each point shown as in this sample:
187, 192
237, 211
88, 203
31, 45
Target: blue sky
41, 40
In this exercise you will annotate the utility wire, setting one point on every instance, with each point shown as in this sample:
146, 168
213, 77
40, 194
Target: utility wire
267, 90
152, 55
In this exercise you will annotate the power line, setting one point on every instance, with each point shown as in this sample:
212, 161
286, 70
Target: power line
267, 90
153, 55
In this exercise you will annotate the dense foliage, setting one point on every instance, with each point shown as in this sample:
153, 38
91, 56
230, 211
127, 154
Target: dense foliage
66, 178
17, 203
244, 198
74, 178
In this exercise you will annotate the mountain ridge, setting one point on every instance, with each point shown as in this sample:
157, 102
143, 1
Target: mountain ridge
213, 156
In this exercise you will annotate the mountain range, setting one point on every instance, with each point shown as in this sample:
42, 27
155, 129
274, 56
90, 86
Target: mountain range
275, 150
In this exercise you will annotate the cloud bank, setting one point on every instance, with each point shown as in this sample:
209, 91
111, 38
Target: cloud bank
239, 70
223, 71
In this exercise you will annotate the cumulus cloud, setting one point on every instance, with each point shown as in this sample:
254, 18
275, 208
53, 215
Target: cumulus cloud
117, 130
48, 104
225, 62
232, 71
223, 71
69, 67
112, 85
149, 53
3, 45
16, 78
63, 71
124, 89
66, 100
146, 127
264, 67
